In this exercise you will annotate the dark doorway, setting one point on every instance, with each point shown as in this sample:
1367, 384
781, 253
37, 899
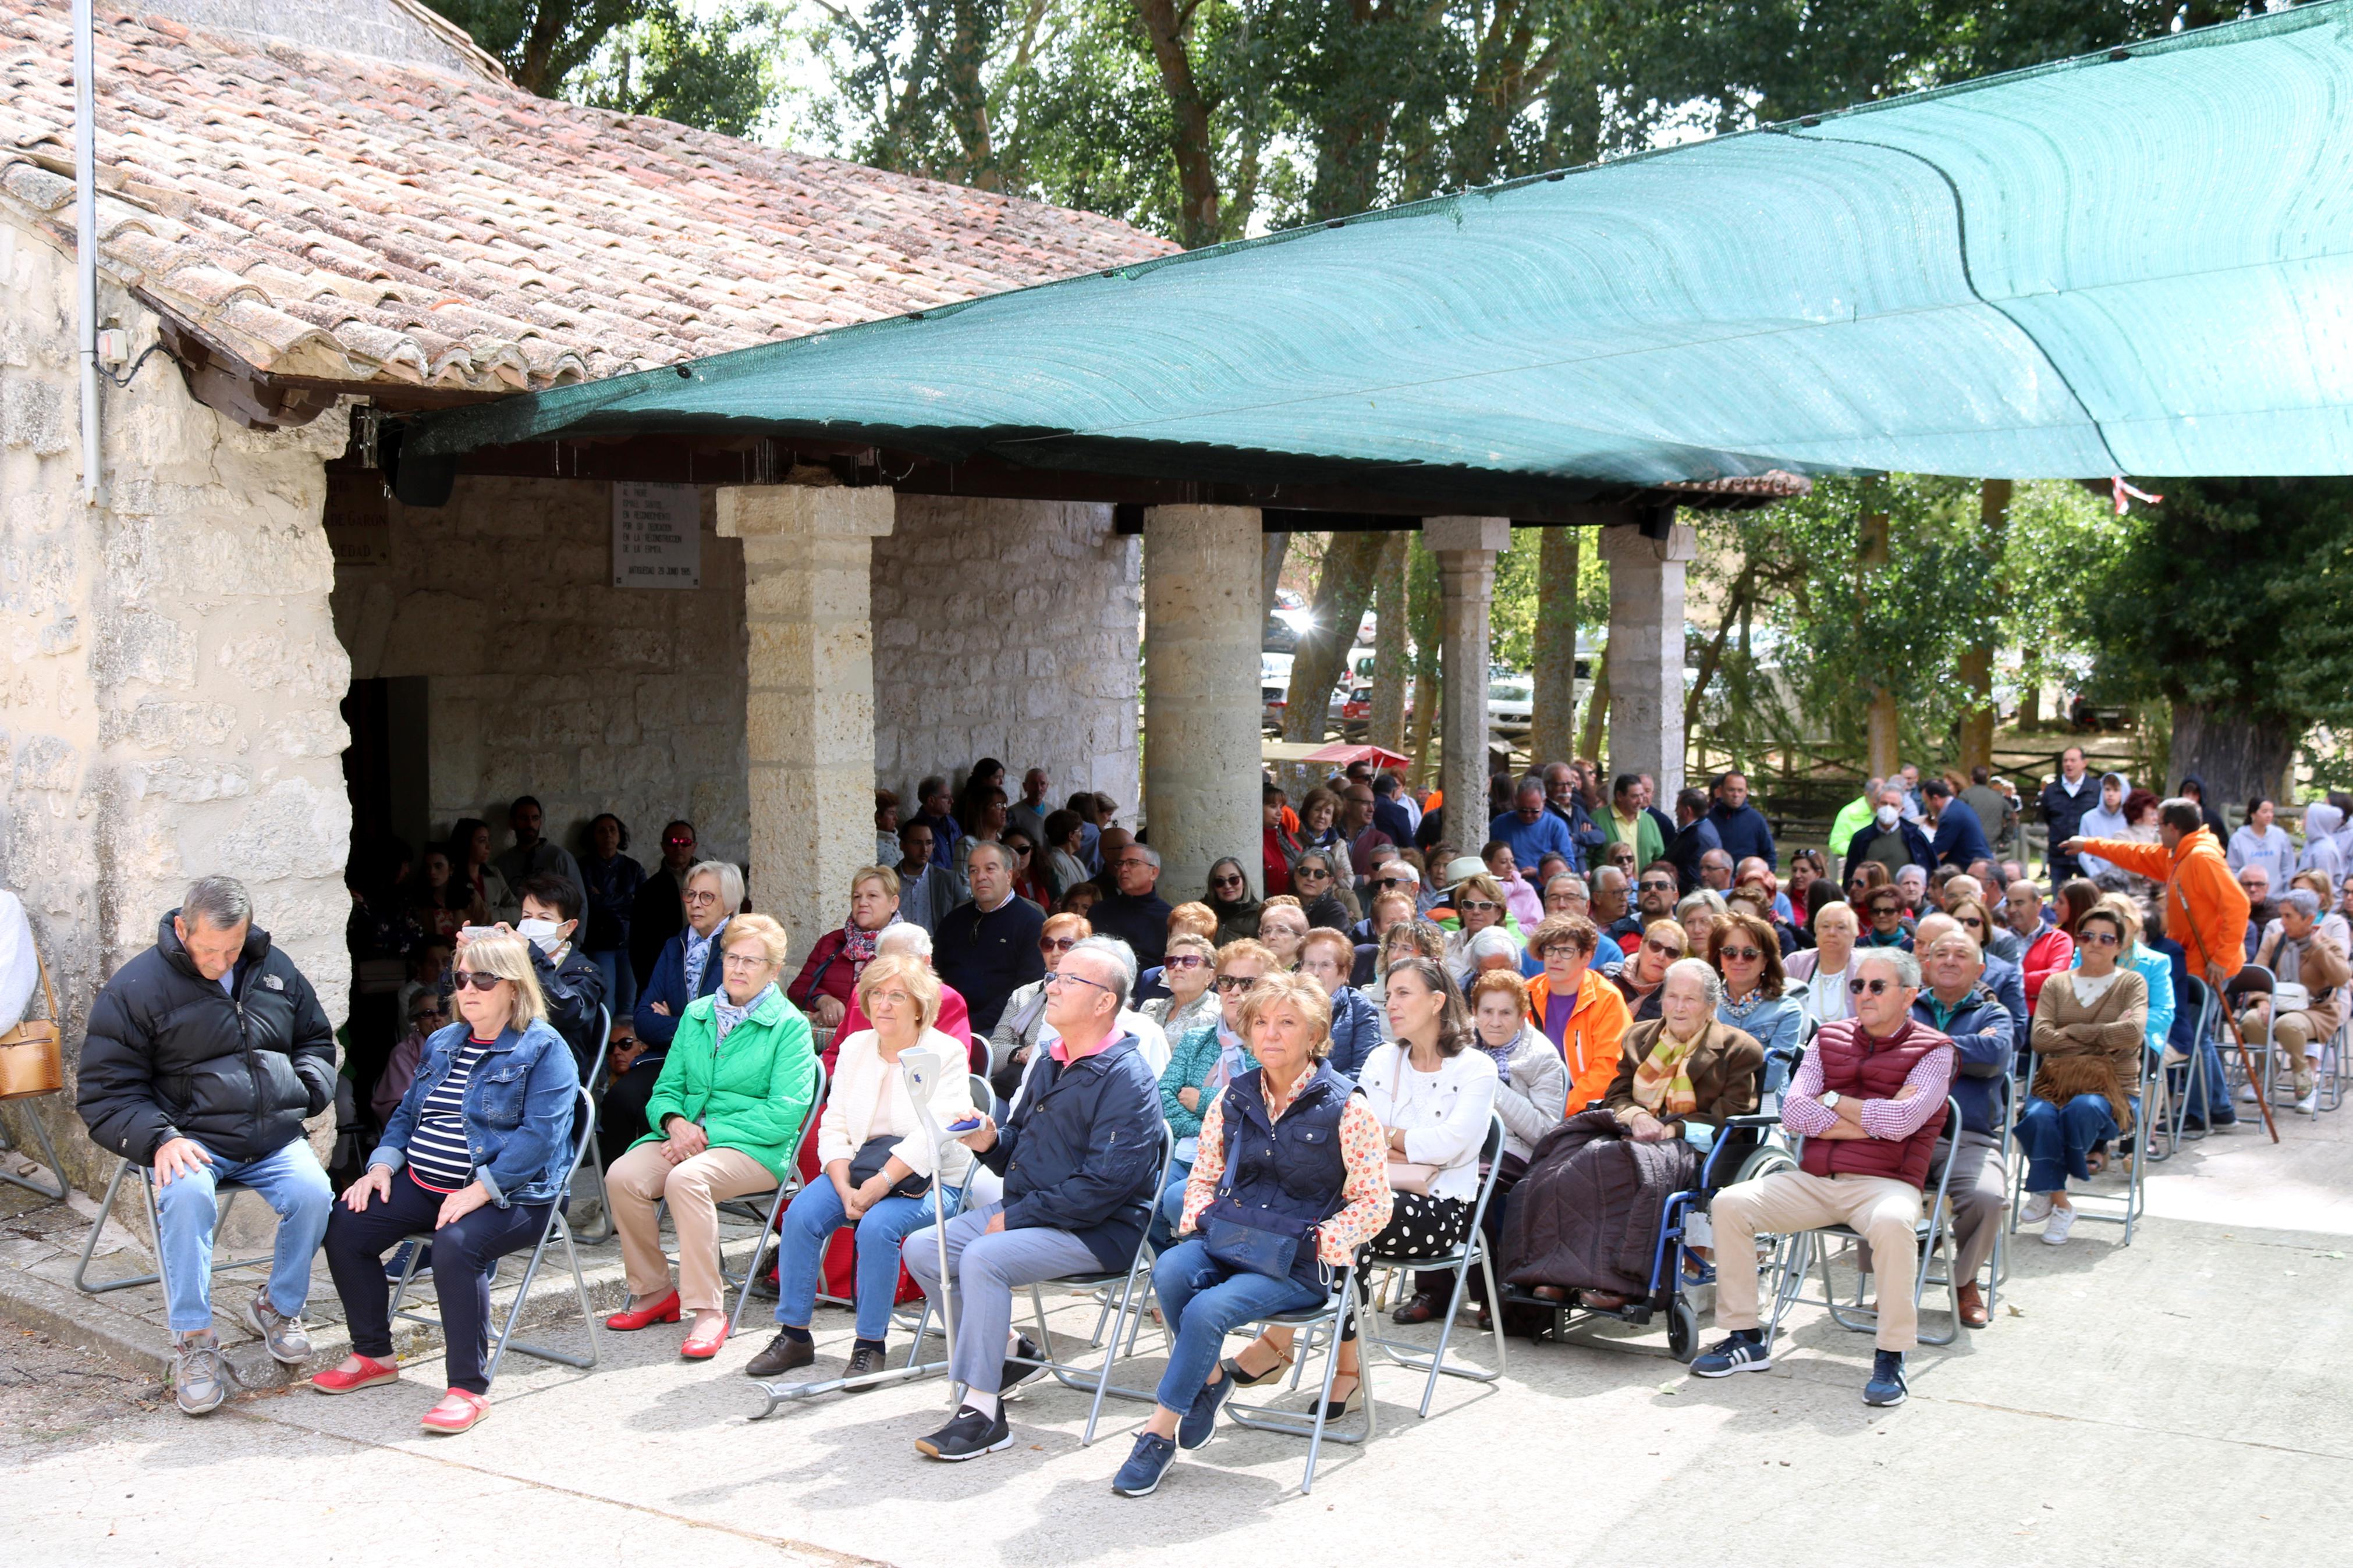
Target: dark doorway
384, 774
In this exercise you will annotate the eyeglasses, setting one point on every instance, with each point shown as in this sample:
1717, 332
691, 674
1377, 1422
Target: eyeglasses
1478, 906
1057, 943
1063, 977
1655, 885
896, 998
1664, 949
743, 959
1235, 981
1129, 862
1876, 987
1745, 954
1309, 874
480, 979
704, 897
1183, 961
2098, 939
1228, 881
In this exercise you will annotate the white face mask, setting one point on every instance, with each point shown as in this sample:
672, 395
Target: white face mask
1886, 815
548, 934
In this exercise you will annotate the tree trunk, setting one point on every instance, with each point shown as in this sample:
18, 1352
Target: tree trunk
1880, 734
2239, 755
1596, 708
1342, 589
1736, 614
1552, 732
1195, 144
1278, 550
1421, 599
1977, 661
1387, 729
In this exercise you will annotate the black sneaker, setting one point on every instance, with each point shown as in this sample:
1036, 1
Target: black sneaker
1739, 1352
968, 1436
1886, 1386
864, 1362
784, 1353
1016, 1373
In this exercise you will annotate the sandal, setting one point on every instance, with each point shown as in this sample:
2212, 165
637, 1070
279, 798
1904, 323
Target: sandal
1243, 1378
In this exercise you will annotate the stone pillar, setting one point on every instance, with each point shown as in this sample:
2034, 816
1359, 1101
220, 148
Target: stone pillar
809, 712
1466, 548
1646, 654
1202, 621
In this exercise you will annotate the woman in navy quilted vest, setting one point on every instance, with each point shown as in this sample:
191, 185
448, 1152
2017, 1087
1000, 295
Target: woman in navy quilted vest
1292, 1177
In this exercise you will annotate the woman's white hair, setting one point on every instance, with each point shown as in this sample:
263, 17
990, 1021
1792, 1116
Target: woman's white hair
1492, 942
1711, 983
905, 937
731, 882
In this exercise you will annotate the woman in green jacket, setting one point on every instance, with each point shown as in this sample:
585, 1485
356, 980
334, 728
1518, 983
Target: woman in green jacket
727, 1112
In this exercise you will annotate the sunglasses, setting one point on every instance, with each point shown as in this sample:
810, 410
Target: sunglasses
1745, 954
1225, 881
480, 979
1235, 981
1664, 949
677, 842
1878, 910
1057, 943
1389, 883
1479, 906
1183, 961
1876, 987
1656, 885
2098, 939
1309, 874
1973, 922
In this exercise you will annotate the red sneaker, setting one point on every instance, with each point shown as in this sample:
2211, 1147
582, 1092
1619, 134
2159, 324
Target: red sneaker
335, 1380
457, 1412
664, 1311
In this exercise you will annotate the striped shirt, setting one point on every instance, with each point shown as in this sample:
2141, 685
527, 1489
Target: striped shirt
440, 1159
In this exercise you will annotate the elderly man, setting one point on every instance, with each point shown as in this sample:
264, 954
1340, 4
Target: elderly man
1533, 830
203, 1056
1715, 871
1889, 839
1564, 796
987, 948
1080, 1153
1958, 1005
2064, 801
2205, 910
1134, 911
1612, 907
1739, 827
2049, 950
2001, 977
1568, 894
2255, 881
2298, 953
1960, 836
1869, 1099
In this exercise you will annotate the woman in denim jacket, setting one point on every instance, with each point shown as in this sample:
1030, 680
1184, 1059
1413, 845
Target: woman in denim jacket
476, 1155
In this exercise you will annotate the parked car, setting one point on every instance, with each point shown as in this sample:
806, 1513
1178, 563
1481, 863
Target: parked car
1511, 704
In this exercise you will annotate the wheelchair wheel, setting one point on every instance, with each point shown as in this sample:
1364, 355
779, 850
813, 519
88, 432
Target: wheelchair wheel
1763, 1162
1683, 1329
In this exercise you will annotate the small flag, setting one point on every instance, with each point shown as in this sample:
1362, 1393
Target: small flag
2125, 494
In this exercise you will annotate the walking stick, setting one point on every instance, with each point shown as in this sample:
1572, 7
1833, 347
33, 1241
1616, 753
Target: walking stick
2230, 1020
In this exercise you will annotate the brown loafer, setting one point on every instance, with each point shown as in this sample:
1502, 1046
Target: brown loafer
1424, 1308
1608, 1300
1973, 1308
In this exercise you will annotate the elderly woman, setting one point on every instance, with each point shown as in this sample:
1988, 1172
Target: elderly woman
830, 976
1290, 1158
1319, 881
1663, 941
1681, 1077
1319, 816
1187, 969
1492, 949
2299, 953
1024, 1018
1521, 900
477, 1153
1818, 973
688, 968
878, 1164
1407, 939
1229, 901
1756, 998
1531, 1096
1886, 923
1699, 913
2090, 1027
726, 1116
1203, 1062
1282, 927
1912, 885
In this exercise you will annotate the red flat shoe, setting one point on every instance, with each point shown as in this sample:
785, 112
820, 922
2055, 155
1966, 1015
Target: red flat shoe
703, 1350
335, 1380
664, 1311
459, 1411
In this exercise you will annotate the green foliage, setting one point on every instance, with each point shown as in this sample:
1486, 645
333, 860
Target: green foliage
711, 72
1513, 617
541, 42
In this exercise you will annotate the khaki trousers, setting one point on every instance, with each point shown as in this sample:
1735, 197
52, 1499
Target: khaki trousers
1882, 1209
2296, 1042
641, 1179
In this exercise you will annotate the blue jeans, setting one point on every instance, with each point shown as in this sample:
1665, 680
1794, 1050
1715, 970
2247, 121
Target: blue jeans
2056, 1138
2208, 1098
620, 981
1162, 1232
1202, 1302
290, 1182
810, 1220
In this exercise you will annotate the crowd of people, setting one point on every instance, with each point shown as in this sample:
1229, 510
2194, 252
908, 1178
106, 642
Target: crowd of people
1321, 1038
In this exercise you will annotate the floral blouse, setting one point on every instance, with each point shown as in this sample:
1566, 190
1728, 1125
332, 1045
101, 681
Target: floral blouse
1365, 1198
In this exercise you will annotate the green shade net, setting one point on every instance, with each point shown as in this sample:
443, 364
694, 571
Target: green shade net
2139, 265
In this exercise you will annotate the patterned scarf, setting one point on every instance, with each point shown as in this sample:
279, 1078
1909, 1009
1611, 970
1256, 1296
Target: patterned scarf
857, 946
698, 957
725, 1015
1662, 1084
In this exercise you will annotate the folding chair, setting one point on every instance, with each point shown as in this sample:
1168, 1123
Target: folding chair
55, 1193
1325, 1323
2169, 1120
2133, 1199
584, 1128
595, 1084
225, 1194
773, 1214
1474, 1250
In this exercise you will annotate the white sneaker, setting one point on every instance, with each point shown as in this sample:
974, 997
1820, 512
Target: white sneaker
2038, 1208
2062, 1222
2246, 1094
2309, 1105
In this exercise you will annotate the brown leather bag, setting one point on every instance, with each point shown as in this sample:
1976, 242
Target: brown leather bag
32, 1055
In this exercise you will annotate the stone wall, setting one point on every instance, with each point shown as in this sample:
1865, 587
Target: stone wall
1007, 630
168, 699
544, 678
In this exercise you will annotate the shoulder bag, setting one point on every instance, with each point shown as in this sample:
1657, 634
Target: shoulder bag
872, 1155
32, 1056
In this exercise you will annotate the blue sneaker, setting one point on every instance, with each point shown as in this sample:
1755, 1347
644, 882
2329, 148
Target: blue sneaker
1743, 1352
1886, 1386
1140, 1477
1200, 1423
395, 1265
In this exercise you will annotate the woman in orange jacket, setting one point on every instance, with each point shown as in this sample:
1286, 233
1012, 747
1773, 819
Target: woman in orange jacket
1580, 1011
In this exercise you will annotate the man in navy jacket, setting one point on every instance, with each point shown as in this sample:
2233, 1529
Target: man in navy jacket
1740, 826
1960, 837
1957, 1004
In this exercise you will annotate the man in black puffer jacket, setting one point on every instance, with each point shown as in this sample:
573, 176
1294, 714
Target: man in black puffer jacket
203, 1056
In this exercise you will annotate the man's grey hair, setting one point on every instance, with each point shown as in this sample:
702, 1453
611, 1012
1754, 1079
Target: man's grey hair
1151, 858
1699, 969
1905, 966
905, 939
1492, 942
1574, 880
220, 902
2304, 901
1121, 957
731, 882
1004, 855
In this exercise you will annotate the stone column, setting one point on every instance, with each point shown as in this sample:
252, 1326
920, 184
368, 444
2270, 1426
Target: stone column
1646, 654
1202, 621
1466, 548
809, 712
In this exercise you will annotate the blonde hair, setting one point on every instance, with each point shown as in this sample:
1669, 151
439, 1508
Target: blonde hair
882, 875
774, 945
1196, 918
1193, 942
2127, 914
913, 975
1296, 991
1250, 947
509, 958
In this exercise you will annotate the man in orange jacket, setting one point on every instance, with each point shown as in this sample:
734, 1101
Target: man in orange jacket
2205, 907
1576, 1006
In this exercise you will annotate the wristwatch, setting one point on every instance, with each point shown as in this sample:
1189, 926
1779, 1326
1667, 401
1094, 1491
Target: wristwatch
1829, 1099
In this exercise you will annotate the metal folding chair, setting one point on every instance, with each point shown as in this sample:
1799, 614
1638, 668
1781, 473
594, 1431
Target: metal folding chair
1474, 1250
225, 1194
55, 1193
2132, 1201
595, 1084
773, 1213
1326, 1324
584, 1128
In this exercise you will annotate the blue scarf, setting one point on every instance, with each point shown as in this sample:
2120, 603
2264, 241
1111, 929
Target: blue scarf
725, 1015
698, 957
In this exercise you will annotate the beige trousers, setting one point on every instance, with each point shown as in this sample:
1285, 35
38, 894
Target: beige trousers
1882, 1209
641, 1179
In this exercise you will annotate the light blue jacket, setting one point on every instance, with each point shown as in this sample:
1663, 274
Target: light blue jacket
518, 1108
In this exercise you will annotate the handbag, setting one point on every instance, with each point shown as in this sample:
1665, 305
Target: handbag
32, 1055
1412, 1176
868, 1162
2287, 996
1247, 1249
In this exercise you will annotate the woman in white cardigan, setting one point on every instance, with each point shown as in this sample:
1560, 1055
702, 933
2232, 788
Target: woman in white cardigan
878, 1164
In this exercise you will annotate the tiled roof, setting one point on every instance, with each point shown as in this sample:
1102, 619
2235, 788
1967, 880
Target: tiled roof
371, 222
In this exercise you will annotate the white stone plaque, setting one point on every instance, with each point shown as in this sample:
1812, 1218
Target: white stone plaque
657, 535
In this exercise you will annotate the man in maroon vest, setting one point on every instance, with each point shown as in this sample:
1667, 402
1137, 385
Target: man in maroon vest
1868, 1101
